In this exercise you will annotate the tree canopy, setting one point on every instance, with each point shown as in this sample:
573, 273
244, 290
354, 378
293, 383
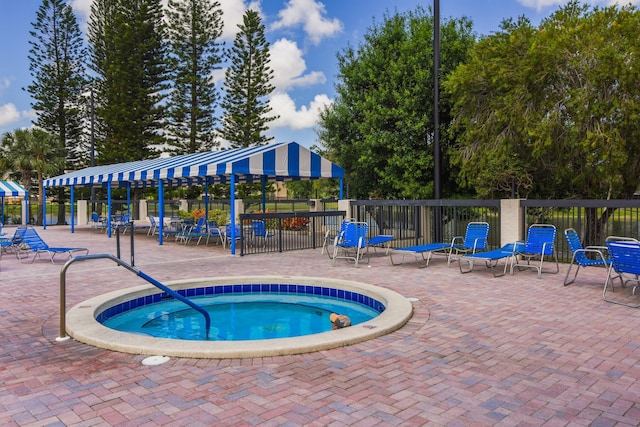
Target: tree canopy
552, 111
31, 154
56, 63
194, 28
381, 126
128, 56
248, 83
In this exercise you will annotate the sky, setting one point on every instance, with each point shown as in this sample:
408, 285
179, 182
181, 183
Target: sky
304, 35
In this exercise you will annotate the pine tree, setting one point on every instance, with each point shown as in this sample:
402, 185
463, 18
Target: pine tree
56, 60
56, 64
194, 27
247, 82
128, 55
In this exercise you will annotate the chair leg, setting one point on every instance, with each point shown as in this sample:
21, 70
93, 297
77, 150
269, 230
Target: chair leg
606, 285
469, 261
566, 279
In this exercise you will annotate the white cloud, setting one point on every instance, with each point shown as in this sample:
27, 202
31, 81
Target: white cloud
289, 66
82, 8
4, 83
8, 114
232, 13
311, 15
29, 114
291, 117
218, 76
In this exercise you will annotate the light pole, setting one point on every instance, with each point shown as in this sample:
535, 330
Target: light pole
93, 146
437, 167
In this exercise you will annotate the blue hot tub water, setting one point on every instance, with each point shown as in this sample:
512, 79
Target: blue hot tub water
241, 312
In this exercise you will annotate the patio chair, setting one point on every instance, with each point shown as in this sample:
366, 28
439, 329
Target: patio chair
381, 241
540, 243
475, 239
492, 258
330, 237
199, 231
6, 242
171, 227
97, 222
28, 240
625, 263
136, 225
581, 255
215, 231
153, 228
351, 244
259, 231
129, 224
227, 235
121, 222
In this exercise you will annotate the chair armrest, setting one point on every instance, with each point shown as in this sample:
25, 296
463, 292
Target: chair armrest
453, 241
545, 245
518, 245
602, 251
331, 234
479, 240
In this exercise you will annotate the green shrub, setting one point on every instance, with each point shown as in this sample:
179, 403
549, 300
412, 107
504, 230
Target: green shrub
219, 216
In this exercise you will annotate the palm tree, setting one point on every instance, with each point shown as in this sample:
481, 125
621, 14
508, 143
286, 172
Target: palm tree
27, 154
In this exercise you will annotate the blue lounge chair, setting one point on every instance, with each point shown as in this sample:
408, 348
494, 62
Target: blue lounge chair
259, 232
580, 255
171, 227
625, 263
540, 243
475, 239
422, 253
121, 222
351, 243
27, 239
381, 241
199, 231
492, 258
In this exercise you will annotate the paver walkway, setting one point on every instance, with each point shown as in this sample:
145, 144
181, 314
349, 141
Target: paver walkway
479, 350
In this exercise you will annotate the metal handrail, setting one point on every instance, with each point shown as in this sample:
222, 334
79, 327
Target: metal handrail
154, 282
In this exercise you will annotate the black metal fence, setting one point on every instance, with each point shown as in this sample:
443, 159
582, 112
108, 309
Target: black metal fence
412, 222
594, 220
287, 231
292, 226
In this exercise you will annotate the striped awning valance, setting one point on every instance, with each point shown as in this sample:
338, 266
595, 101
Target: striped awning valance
275, 162
12, 189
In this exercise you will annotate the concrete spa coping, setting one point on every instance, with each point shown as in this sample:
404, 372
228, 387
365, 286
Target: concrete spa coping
81, 323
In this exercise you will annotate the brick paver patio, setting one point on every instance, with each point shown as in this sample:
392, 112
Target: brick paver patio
478, 350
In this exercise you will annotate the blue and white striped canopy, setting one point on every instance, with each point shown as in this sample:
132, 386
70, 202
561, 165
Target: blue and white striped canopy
280, 162
12, 189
